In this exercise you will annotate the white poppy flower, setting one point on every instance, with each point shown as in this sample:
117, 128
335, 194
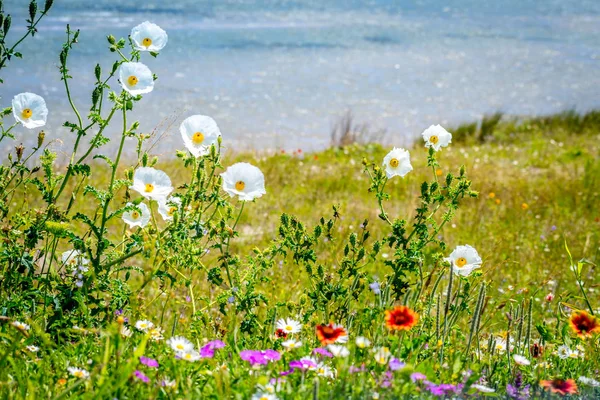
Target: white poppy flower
521, 360
338, 351
288, 325
397, 163
30, 110
149, 37
179, 343
244, 180
152, 183
137, 217
199, 132
168, 207
78, 372
74, 258
437, 137
464, 260
136, 78
291, 344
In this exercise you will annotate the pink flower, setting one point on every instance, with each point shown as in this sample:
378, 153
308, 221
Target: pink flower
149, 362
208, 350
140, 375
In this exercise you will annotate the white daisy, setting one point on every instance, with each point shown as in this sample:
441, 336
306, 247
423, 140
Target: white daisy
149, 37
74, 258
588, 381
30, 110
179, 343
78, 372
144, 325
140, 216
152, 183
382, 355
325, 371
437, 137
244, 180
338, 351
32, 348
126, 332
21, 325
483, 388
199, 132
156, 334
464, 260
500, 345
521, 360
288, 325
291, 344
168, 207
264, 396
136, 78
362, 342
190, 356
397, 163
563, 351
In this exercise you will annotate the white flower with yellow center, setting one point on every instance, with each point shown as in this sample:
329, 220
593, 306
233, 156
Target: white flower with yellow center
144, 325
291, 344
21, 325
152, 183
264, 396
168, 207
521, 360
179, 343
437, 137
74, 258
79, 373
500, 345
139, 216
324, 371
156, 334
397, 163
136, 78
126, 332
32, 348
338, 351
288, 325
149, 37
30, 110
362, 342
244, 180
199, 132
464, 259
190, 356
382, 355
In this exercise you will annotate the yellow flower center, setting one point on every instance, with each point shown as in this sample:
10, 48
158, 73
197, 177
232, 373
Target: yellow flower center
179, 346
135, 215
394, 162
198, 138
321, 370
149, 188
292, 345
78, 374
188, 356
172, 210
287, 327
147, 42
434, 139
26, 113
460, 262
132, 80
240, 185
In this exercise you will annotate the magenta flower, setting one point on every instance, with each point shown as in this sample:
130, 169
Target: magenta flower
140, 375
322, 351
149, 362
355, 370
258, 357
302, 364
417, 376
208, 350
443, 389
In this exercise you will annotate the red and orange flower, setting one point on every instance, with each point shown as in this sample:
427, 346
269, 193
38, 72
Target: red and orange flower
401, 318
584, 324
560, 386
330, 334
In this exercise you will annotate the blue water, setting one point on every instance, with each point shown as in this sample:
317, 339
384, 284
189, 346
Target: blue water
278, 74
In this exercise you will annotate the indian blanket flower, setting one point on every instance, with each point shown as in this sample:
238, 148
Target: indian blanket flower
288, 325
199, 132
244, 180
136, 78
584, 324
152, 183
464, 259
168, 207
149, 362
521, 360
436, 137
21, 325
144, 325
30, 110
362, 342
560, 386
149, 37
330, 334
79, 373
397, 163
338, 350
401, 318
140, 375
291, 344
139, 216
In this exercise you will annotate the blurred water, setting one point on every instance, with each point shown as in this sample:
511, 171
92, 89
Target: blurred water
277, 73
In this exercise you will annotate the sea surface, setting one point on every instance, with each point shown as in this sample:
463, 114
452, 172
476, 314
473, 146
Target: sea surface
278, 74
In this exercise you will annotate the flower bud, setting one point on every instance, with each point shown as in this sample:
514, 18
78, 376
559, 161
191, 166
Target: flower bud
19, 150
41, 137
111, 39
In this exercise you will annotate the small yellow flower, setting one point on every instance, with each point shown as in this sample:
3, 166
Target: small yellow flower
492, 195
524, 206
439, 172
498, 201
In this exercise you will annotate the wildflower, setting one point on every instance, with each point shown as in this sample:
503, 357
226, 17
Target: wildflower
323, 352
492, 195
151, 183
291, 344
156, 334
401, 318
126, 332
437, 137
279, 334
168, 207
549, 297
417, 376
362, 342
74, 258
78, 372
375, 287
263, 396
324, 371
199, 132
584, 324
149, 362
136, 78
382, 355
304, 363
258, 357
244, 180
500, 345
208, 350
61, 382
560, 386
482, 388
443, 389
338, 351
166, 382
521, 360
289, 325
524, 206
140, 375
397, 163
563, 352
32, 348
139, 216
30, 110
396, 364
144, 325
536, 350
330, 334
589, 381
188, 355
149, 37
464, 259
517, 391
21, 326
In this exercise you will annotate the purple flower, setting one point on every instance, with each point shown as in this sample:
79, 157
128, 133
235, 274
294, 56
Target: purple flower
355, 370
396, 364
302, 364
149, 362
417, 376
518, 391
322, 351
208, 350
443, 389
258, 357
375, 287
553, 228
386, 379
140, 375
271, 355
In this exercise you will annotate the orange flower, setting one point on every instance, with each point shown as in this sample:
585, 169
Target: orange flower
61, 381
583, 323
524, 206
439, 172
560, 386
401, 318
492, 195
330, 334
